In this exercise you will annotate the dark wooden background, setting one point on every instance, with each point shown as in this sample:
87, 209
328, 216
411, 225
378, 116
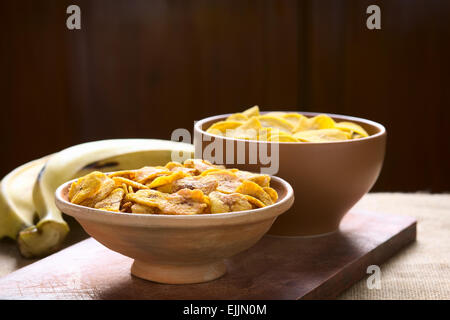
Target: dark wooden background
143, 68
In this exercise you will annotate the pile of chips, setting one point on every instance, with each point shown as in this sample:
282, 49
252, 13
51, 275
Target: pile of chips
195, 187
285, 127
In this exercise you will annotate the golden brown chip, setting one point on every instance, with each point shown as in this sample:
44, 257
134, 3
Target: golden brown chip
262, 179
206, 184
227, 180
272, 193
251, 112
183, 202
136, 185
237, 117
129, 174
163, 180
222, 126
257, 203
222, 202
252, 189
112, 201
139, 208
200, 165
147, 174
90, 189
324, 135
279, 123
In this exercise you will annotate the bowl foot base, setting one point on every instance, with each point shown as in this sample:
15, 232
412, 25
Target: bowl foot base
180, 274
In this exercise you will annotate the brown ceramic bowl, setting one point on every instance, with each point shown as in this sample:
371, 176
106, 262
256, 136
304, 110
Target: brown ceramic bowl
327, 178
178, 249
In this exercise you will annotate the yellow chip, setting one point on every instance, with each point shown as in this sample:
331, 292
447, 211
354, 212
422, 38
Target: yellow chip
223, 126
112, 201
251, 112
324, 135
293, 118
167, 179
254, 201
282, 138
222, 202
322, 121
146, 174
272, 193
120, 180
252, 189
200, 165
90, 189
248, 130
261, 179
352, 127
237, 117
276, 122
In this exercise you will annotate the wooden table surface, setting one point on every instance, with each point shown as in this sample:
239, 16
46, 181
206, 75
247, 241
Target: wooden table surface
276, 268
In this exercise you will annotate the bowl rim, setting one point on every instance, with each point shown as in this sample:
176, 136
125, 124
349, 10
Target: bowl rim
122, 218
382, 130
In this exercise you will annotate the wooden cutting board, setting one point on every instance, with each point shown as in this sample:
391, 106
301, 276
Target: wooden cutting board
275, 268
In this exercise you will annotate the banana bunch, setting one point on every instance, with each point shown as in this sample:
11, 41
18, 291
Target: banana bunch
28, 213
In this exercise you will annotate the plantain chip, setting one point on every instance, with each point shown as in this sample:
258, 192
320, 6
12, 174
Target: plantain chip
237, 117
252, 189
223, 126
257, 203
324, 135
136, 185
251, 112
160, 181
276, 122
282, 138
227, 181
263, 180
293, 118
112, 201
147, 174
352, 127
90, 189
272, 193
200, 165
222, 202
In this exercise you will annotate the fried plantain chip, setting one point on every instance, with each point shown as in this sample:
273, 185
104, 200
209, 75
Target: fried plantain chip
276, 122
262, 180
272, 193
324, 135
136, 185
251, 112
160, 181
257, 203
237, 117
222, 202
252, 189
139, 208
222, 126
129, 174
206, 184
112, 201
200, 165
90, 189
352, 128
282, 138
227, 180
147, 174
293, 118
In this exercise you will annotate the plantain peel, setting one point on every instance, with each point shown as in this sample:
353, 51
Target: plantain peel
16, 200
106, 155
